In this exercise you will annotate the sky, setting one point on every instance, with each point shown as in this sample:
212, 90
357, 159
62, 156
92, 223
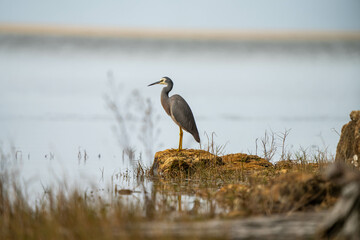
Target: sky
304, 15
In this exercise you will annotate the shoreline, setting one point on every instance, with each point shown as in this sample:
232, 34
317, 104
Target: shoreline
176, 34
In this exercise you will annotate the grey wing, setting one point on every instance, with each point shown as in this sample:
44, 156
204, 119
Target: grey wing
182, 114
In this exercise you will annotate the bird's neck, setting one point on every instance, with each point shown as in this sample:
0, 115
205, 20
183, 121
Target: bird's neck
165, 99
167, 89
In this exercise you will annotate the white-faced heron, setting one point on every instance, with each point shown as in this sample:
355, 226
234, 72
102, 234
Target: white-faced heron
178, 109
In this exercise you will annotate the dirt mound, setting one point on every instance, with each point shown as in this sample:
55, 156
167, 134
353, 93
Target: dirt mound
248, 162
171, 162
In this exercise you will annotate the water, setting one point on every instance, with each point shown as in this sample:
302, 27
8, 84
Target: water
52, 107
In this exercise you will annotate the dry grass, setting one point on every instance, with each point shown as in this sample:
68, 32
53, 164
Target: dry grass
134, 118
291, 185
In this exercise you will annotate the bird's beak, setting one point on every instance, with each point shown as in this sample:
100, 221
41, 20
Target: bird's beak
154, 83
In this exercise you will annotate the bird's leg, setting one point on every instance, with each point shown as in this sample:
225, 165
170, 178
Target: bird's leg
179, 203
180, 141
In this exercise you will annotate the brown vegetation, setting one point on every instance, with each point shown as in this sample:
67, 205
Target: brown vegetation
348, 148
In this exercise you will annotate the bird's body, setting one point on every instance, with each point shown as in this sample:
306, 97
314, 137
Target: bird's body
178, 109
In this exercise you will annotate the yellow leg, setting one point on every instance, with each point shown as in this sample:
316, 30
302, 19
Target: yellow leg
180, 141
179, 203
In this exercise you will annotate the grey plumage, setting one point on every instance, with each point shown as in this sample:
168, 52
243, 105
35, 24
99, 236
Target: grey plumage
183, 116
178, 109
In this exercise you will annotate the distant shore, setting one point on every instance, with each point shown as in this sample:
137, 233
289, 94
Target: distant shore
191, 34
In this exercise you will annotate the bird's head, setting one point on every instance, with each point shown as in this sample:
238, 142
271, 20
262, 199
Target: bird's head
163, 81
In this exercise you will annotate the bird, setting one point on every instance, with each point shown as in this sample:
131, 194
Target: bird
178, 109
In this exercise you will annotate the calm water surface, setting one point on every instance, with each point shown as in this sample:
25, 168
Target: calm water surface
52, 107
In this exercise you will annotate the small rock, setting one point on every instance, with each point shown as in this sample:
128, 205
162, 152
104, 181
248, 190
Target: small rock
125, 192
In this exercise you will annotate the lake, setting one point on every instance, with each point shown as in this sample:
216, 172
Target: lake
54, 114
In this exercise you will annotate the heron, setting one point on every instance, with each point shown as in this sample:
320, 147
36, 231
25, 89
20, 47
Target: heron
178, 109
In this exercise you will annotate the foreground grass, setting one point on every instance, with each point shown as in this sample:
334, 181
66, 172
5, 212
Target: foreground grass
214, 192
66, 216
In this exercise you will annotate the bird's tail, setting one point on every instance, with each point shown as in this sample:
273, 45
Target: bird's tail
196, 136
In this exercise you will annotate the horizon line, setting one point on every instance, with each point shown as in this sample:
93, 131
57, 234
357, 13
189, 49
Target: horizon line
183, 34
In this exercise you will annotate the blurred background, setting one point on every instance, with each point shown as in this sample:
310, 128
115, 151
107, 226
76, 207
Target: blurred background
245, 68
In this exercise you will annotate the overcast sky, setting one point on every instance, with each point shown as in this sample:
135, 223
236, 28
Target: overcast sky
204, 14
